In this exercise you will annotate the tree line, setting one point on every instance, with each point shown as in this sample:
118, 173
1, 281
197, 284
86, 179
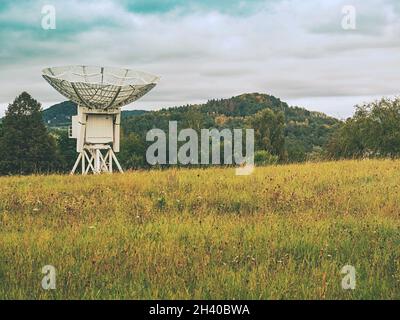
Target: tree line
283, 134
374, 131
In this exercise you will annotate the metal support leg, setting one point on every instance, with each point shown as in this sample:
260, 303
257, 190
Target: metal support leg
83, 163
110, 161
116, 162
94, 159
76, 164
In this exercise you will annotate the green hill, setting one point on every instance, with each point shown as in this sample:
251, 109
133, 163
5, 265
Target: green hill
306, 132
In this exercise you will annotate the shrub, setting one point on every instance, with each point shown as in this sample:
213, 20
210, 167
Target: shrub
264, 158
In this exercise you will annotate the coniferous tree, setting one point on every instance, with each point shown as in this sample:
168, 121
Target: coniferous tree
25, 145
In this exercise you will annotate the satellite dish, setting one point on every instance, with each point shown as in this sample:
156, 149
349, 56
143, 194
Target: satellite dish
100, 88
100, 93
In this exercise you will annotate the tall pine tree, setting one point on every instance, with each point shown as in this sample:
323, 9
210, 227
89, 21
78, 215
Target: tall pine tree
25, 145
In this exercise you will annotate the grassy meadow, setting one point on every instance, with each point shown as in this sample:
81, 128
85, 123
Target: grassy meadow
284, 232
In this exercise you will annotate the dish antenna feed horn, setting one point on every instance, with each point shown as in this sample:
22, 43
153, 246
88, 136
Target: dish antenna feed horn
100, 93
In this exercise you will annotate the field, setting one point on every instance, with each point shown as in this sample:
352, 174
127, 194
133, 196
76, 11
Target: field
284, 232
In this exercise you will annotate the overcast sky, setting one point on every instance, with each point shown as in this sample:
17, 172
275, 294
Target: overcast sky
296, 50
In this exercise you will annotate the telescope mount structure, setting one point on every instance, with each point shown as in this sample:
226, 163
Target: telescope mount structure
100, 93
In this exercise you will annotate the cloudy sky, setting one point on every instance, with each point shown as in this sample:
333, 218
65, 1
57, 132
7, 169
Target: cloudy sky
296, 50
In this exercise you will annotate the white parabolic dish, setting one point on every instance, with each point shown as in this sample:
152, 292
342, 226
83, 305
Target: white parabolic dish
100, 88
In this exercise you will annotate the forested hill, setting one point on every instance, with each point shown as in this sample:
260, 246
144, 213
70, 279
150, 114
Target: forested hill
305, 132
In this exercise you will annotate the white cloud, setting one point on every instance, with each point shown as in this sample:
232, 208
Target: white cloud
295, 50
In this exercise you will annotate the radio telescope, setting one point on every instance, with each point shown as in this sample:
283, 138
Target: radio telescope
100, 93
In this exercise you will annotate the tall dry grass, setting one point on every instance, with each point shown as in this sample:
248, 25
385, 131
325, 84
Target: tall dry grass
282, 233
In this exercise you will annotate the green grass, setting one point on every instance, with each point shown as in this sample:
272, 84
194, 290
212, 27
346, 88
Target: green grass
282, 233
